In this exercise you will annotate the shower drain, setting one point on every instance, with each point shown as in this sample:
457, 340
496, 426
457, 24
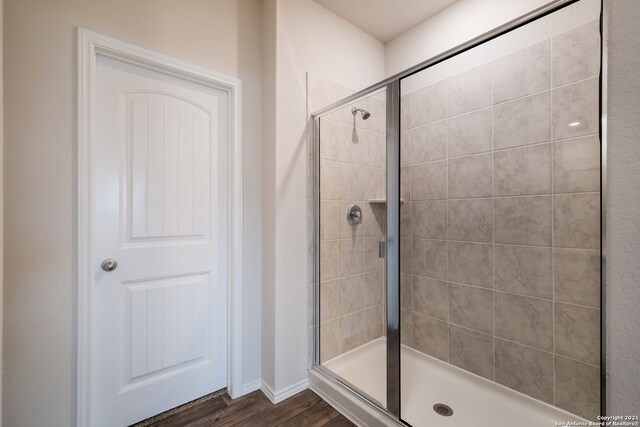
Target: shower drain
442, 409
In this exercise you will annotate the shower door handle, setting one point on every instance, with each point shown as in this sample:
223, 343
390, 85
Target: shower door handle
382, 249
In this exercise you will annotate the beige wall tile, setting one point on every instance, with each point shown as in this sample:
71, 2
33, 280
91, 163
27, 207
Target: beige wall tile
524, 72
405, 255
577, 388
349, 142
405, 291
471, 307
352, 182
343, 115
577, 276
372, 260
374, 183
429, 258
469, 91
429, 297
329, 260
351, 257
576, 54
330, 186
577, 220
471, 176
523, 220
329, 300
351, 331
428, 104
405, 148
405, 183
471, 263
472, 351
328, 220
373, 288
405, 219
430, 336
576, 109
469, 133
523, 171
351, 294
406, 327
376, 105
429, 142
429, 181
577, 332
373, 219
524, 270
374, 149
405, 111
471, 220
576, 165
429, 219
373, 323
526, 320
525, 369
523, 121
330, 140
329, 340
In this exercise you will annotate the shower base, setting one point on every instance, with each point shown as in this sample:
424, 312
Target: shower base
426, 381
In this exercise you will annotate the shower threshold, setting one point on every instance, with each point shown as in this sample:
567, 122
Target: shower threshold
427, 382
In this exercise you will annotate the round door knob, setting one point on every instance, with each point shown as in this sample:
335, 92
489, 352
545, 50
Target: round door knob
109, 264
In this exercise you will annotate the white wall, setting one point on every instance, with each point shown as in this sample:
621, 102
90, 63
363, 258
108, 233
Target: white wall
623, 208
308, 38
453, 26
40, 184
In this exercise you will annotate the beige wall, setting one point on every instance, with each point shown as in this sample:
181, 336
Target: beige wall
40, 178
306, 38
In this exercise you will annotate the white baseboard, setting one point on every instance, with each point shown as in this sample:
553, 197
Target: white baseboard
251, 387
279, 396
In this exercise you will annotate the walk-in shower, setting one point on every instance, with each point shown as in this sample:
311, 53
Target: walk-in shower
468, 289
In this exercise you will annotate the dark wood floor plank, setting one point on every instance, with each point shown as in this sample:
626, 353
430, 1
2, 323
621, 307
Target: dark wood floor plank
284, 410
193, 414
237, 411
305, 409
316, 416
339, 421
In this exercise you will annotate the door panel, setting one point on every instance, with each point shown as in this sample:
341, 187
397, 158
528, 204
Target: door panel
159, 208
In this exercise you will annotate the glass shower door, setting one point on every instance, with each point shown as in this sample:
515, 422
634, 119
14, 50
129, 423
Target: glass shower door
351, 242
500, 250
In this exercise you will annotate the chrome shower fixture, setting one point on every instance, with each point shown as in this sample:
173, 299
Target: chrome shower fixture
365, 113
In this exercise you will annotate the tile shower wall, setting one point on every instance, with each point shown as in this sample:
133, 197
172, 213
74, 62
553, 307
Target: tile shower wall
352, 155
501, 221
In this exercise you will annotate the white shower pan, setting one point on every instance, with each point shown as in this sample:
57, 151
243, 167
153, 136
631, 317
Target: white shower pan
426, 381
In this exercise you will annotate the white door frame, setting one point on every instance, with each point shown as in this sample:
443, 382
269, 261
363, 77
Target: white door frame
90, 45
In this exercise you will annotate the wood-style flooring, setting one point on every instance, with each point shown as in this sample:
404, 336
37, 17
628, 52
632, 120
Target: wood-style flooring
303, 409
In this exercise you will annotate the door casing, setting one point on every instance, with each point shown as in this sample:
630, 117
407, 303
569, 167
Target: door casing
90, 46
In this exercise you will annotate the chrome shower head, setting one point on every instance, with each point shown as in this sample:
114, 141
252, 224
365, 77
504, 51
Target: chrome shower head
365, 113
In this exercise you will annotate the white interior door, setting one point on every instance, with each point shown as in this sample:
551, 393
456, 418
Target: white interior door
159, 208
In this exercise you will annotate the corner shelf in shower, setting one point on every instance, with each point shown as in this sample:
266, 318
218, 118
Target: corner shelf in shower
381, 201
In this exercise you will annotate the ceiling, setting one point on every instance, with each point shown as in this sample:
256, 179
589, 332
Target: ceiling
385, 19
